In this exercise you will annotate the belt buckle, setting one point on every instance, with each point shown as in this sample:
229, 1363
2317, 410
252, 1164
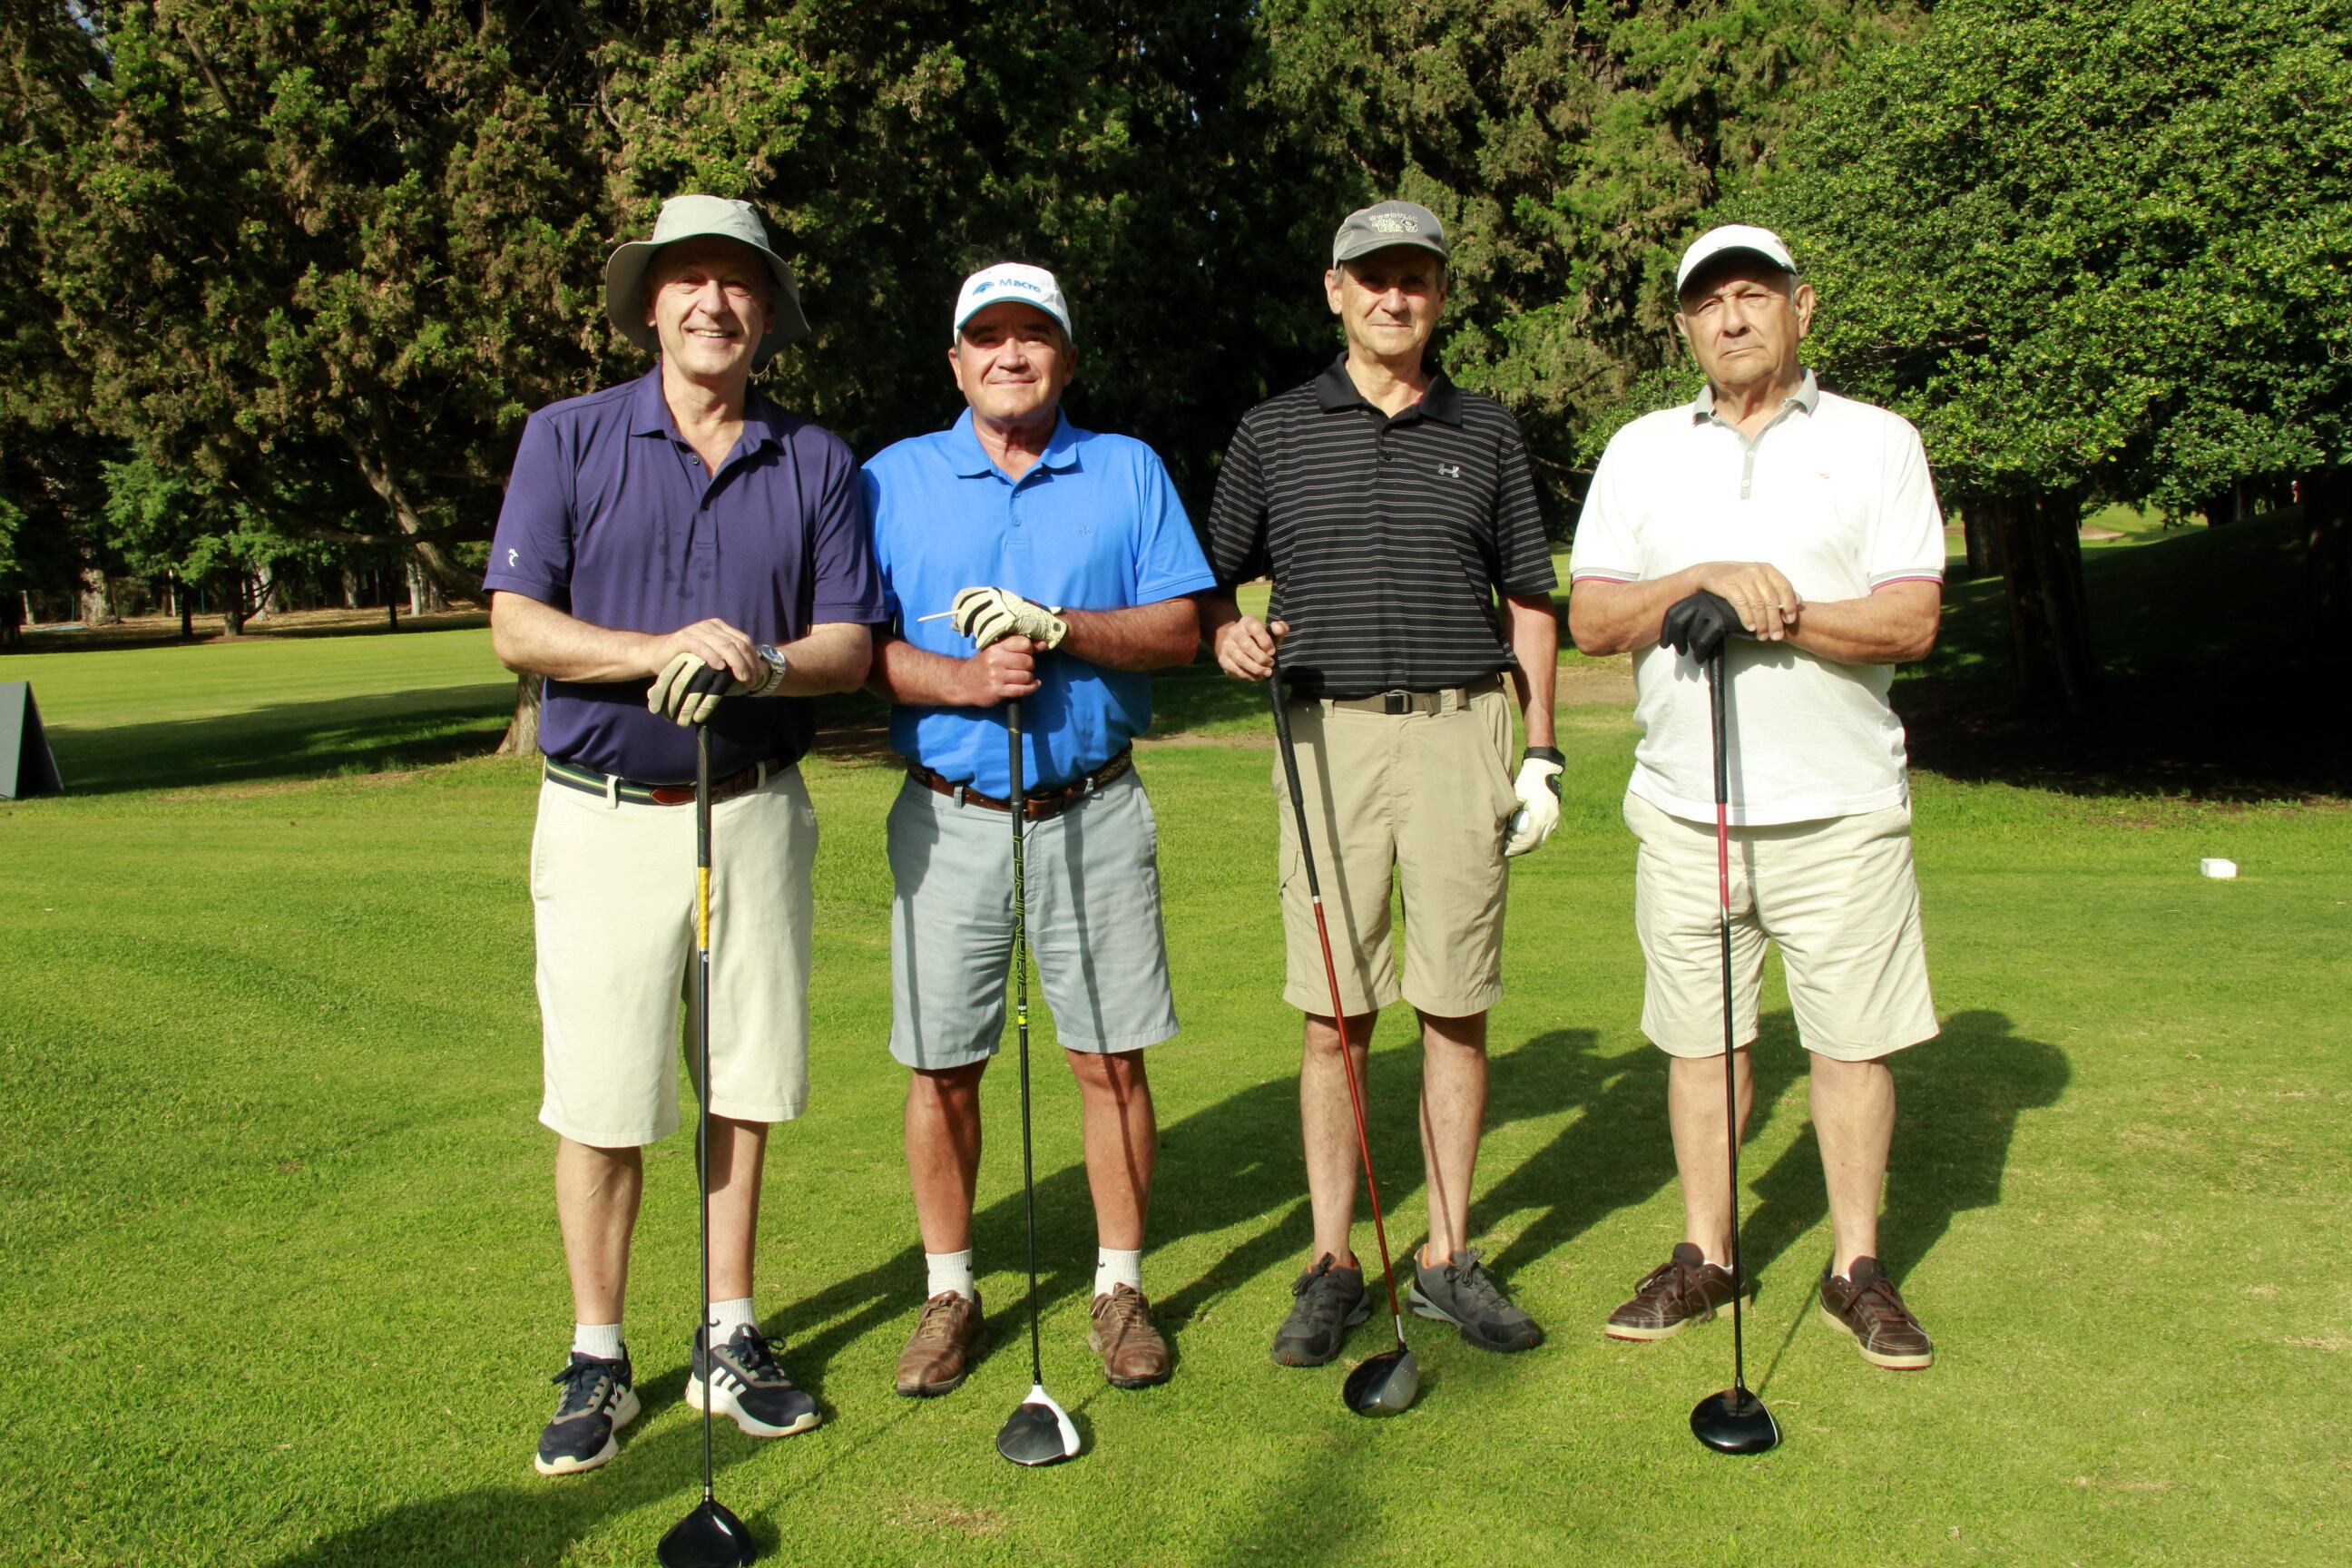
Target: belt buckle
1394, 703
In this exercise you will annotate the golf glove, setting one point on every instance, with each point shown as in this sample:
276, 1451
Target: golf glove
984, 615
1697, 625
688, 691
1537, 787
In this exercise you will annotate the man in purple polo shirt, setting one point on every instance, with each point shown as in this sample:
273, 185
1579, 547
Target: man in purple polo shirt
673, 551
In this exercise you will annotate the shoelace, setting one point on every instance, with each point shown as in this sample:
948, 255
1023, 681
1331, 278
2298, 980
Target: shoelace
1878, 1306
582, 1383
936, 1313
1471, 1277
1120, 1311
1324, 1307
756, 1358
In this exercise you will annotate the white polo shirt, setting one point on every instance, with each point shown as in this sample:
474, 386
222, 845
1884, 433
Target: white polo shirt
1833, 492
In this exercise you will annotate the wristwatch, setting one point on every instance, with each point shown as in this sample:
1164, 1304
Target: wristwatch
774, 658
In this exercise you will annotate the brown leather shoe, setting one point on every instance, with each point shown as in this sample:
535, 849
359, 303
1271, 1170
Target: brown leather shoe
946, 1339
1134, 1355
1866, 1305
1683, 1289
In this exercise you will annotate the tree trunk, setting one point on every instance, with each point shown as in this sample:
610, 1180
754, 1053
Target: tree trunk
185, 603
97, 596
11, 620
370, 449
423, 593
232, 598
522, 731
2041, 549
1983, 539
350, 589
2327, 549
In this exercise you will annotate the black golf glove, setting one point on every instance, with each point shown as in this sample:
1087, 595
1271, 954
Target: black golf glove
1697, 625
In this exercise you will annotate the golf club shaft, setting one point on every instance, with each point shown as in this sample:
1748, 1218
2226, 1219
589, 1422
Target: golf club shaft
1716, 698
1019, 800
1332, 974
702, 1053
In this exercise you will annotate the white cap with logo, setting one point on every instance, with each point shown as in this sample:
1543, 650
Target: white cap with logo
1032, 286
1728, 237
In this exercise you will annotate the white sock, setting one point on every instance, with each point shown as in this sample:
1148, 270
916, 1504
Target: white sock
726, 1317
949, 1271
1113, 1267
602, 1340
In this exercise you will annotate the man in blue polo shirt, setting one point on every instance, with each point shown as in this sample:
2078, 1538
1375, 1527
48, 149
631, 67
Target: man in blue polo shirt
1067, 561
676, 550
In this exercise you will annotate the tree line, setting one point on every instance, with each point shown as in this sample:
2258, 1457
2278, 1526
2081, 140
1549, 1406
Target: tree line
280, 278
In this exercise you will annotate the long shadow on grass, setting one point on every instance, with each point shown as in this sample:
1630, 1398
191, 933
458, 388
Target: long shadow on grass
285, 740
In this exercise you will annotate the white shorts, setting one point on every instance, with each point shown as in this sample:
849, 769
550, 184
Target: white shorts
612, 890
1838, 896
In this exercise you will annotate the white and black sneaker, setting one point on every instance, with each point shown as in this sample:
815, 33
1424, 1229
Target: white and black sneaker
748, 1386
596, 1403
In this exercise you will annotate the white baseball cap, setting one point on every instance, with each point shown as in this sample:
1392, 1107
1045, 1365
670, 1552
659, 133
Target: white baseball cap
1729, 237
1010, 280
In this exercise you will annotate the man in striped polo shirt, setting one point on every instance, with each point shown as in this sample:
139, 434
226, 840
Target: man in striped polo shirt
1803, 526
1392, 509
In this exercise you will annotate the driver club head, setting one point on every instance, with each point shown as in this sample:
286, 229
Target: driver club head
1039, 1432
709, 1537
1384, 1384
1735, 1422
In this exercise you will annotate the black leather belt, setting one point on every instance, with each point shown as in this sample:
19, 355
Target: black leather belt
1041, 802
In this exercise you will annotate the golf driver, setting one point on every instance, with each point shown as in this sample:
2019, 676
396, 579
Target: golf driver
712, 1536
1733, 1421
1383, 1384
1039, 1431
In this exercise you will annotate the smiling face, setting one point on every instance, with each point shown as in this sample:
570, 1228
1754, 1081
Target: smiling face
710, 300
1389, 301
1743, 318
1011, 361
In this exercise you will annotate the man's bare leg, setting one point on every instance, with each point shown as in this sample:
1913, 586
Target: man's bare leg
1853, 1116
1122, 1143
739, 1151
596, 1195
1452, 1111
1327, 1124
1695, 1112
943, 1153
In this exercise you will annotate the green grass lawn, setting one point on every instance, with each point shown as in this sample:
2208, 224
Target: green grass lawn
284, 1287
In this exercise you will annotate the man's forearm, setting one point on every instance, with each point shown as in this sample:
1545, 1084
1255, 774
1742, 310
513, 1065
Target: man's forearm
1607, 617
1535, 643
534, 639
833, 656
1894, 625
1144, 637
902, 672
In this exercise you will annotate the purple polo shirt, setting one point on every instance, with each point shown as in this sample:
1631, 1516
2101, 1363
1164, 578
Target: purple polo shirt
610, 517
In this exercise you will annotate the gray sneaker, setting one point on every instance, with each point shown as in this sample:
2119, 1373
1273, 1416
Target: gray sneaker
1330, 1302
1463, 1293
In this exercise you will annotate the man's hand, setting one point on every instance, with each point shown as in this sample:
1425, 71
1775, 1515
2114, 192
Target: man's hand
1244, 646
1537, 787
989, 614
688, 691
1764, 602
1697, 626
1003, 671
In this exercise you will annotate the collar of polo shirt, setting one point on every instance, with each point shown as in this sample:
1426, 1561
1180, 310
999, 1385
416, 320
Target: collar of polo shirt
1336, 389
649, 415
972, 460
1807, 396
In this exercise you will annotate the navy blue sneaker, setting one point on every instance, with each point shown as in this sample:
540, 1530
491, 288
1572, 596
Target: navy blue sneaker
748, 1386
596, 1403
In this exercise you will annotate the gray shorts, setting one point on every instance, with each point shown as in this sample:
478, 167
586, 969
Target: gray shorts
1093, 893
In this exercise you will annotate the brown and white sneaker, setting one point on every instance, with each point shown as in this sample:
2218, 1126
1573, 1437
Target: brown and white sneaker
1866, 1305
1683, 1289
1133, 1353
947, 1338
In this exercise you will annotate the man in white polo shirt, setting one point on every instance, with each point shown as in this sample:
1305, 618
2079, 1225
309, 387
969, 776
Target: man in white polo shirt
1803, 526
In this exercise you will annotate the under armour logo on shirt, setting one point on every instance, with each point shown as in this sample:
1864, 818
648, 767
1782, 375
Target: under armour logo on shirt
1449, 471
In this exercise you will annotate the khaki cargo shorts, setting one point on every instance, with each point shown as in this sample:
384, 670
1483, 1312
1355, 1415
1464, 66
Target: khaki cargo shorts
1427, 795
612, 892
1838, 896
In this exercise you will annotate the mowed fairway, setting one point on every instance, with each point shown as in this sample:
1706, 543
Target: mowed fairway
283, 1284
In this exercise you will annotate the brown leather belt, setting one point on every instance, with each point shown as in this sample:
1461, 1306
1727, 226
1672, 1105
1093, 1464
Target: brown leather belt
1041, 802
1395, 703
588, 781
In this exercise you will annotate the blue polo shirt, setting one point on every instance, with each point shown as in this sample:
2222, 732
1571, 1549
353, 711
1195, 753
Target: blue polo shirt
1093, 525
609, 517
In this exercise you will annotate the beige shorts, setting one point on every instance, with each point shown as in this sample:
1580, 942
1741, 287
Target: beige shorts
1427, 795
1838, 896
612, 891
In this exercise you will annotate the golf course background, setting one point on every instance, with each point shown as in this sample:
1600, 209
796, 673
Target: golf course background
283, 1284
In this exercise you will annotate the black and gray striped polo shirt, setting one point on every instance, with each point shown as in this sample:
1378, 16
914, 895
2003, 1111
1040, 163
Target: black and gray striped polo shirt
1387, 538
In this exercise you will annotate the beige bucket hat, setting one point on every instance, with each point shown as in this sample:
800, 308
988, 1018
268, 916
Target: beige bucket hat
689, 217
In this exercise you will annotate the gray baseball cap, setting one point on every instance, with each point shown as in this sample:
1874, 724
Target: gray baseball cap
689, 217
1384, 224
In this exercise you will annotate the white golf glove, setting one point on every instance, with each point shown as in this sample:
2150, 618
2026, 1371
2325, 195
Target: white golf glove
688, 691
986, 615
1537, 787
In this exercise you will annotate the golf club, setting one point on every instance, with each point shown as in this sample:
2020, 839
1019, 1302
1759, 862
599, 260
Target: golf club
1383, 1384
1039, 1431
710, 1536
1733, 1421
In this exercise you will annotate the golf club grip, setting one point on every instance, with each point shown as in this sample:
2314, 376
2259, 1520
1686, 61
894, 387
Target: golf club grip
1290, 772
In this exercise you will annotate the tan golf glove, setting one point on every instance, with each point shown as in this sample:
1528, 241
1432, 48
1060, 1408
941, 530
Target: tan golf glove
986, 615
687, 691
